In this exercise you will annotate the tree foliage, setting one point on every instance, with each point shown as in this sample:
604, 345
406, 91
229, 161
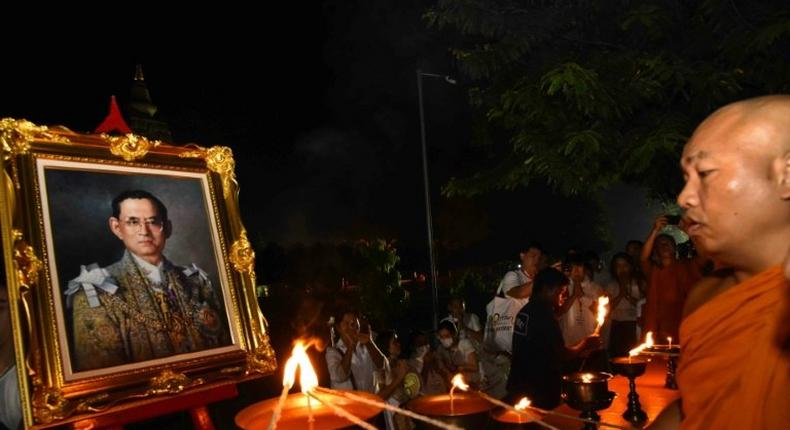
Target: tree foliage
583, 94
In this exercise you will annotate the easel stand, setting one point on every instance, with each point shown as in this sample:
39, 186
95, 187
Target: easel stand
194, 400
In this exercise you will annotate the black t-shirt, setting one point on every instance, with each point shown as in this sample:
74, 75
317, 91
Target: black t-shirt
537, 356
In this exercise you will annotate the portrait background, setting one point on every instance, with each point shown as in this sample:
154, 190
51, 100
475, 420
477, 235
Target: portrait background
80, 207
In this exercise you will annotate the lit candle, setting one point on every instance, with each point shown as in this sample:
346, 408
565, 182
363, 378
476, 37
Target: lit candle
669, 340
522, 405
296, 411
648, 344
603, 302
457, 382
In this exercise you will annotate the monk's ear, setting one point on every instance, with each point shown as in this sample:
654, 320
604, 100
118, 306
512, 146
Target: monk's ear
784, 176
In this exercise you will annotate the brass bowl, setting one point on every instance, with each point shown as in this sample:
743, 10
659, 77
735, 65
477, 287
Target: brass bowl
470, 411
585, 387
630, 367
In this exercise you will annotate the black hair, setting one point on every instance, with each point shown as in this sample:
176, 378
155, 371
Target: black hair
531, 245
621, 256
455, 299
383, 340
449, 326
668, 236
548, 279
342, 311
138, 194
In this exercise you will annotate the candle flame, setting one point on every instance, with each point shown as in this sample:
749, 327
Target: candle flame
669, 340
458, 382
603, 302
587, 378
522, 404
648, 343
299, 359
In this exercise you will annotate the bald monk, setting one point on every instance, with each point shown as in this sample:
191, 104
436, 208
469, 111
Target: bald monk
732, 373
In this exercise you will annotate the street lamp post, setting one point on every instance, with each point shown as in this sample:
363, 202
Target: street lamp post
426, 183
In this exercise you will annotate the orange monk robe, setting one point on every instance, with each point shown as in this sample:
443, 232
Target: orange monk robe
732, 374
667, 290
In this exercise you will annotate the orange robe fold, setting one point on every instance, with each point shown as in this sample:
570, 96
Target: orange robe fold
732, 374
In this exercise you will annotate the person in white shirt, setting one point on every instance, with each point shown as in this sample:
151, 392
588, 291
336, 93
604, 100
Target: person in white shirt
518, 283
578, 312
627, 292
456, 355
354, 358
468, 323
513, 293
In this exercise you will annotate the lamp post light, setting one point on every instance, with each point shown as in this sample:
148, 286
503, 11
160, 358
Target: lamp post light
426, 183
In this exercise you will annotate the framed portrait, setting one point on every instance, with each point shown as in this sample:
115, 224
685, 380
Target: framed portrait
129, 272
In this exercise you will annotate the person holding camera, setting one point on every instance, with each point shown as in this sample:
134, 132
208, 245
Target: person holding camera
669, 280
354, 358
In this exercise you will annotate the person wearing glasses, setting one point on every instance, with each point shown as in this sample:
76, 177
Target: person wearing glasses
143, 306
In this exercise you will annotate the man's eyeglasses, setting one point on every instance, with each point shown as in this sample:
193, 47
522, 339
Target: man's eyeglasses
155, 224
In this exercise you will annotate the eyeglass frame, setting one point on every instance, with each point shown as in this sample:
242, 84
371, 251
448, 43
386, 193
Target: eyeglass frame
154, 223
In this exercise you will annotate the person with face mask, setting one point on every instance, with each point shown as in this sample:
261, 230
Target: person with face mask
423, 361
456, 355
468, 323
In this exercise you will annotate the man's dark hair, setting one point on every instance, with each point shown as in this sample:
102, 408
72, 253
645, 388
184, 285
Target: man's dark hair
549, 279
138, 194
531, 245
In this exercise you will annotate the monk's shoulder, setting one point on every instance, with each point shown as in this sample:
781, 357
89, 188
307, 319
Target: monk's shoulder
707, 288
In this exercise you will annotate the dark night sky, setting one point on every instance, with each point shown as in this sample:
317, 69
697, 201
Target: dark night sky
318, 102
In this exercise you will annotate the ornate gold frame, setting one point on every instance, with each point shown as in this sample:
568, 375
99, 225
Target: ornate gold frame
49, 400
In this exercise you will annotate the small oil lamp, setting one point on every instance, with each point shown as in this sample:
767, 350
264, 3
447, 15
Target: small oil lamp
467, 411
670, 352
632, 367
588, 392
505, 419
308, 409
464, 410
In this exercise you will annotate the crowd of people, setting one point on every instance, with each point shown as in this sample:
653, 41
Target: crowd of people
540, 324
723, 305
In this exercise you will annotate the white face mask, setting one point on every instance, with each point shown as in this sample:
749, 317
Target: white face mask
446, 342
